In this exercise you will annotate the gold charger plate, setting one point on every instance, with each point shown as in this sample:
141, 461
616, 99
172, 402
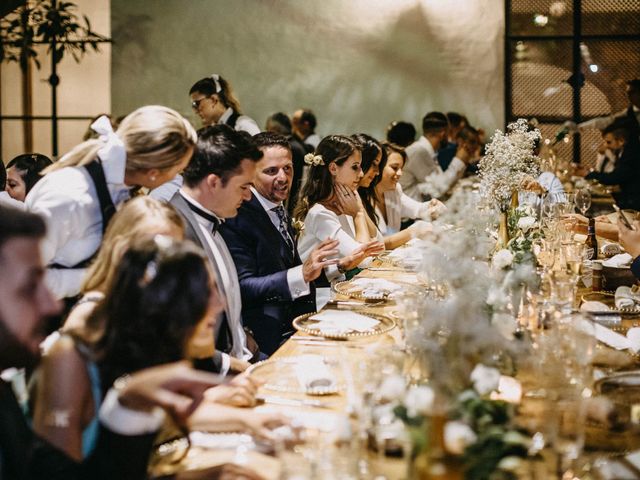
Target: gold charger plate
305, 324
280, 376
608, 298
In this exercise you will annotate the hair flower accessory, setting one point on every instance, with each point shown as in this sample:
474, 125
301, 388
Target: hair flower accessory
313, 160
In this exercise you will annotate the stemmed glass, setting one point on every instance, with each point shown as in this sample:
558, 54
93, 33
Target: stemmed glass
583, 200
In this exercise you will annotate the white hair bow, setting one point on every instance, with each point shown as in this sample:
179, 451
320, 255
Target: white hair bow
216, 79
113, 149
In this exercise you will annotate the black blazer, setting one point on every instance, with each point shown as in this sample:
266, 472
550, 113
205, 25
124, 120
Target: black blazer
25, 456
262, 259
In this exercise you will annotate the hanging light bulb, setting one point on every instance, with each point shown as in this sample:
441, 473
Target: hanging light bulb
540, 20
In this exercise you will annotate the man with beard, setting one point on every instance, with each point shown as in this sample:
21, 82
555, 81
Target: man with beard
128, 419
423, 178
274, 283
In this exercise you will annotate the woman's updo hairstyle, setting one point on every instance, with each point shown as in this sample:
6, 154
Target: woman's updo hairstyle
319, 186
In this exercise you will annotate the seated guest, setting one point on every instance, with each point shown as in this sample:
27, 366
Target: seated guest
392, 205
423, 177
303, 125
80, 193
626, 173
213, 100
274, 282
126, 435
23, 172
216, 182
630, 241
401, 133
373, 160
142, 217
160, 307
280, 123
605, 159
5, 198
330, 207
456, 123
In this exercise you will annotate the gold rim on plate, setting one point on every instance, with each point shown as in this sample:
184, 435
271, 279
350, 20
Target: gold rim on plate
341, 288
302, 324
284, 363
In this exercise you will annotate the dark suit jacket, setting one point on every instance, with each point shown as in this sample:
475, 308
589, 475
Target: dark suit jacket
194, 233
24, 456
262, 259
626, 174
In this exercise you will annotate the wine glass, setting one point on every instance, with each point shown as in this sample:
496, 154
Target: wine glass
583, 200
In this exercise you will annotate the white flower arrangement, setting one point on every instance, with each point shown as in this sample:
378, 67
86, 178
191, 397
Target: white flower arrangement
508, 162
458, 436
485, 379
526, 223
313, 160
502, 259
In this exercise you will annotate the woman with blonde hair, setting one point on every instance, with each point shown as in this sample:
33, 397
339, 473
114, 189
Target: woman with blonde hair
80, 193
142, 217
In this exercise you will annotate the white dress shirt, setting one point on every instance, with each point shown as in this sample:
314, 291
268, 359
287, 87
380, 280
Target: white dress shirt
423, 176
68, 202
399, 206
7, 200
230, 284
243, 122
295, 279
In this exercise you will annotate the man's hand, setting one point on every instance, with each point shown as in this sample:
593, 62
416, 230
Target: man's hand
630, 239
175, 387
363, 251
532, 185
319, 258
347, 200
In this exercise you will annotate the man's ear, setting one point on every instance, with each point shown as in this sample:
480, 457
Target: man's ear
213, 181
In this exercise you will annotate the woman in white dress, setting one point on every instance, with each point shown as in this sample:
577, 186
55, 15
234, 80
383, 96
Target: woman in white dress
330, 206
392, 205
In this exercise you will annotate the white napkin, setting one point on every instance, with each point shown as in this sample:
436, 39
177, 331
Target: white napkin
593, 306
617, 341
625, 298
609, 249
312, 372
621, 260
375, 287
343, 321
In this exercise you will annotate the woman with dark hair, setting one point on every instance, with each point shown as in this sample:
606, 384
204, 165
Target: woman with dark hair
330, 206
160, 307
392, 205
213, 100
373, 159
23, 172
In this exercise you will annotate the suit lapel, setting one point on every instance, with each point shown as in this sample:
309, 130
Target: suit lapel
194, 231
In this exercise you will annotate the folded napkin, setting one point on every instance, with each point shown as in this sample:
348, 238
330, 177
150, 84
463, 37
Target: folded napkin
313, 373
343, 321
626, 298
620, 342
609, 249
621, 260
593, 306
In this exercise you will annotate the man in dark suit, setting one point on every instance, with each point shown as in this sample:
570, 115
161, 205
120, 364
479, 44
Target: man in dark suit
622, 139
275, 284
126, 434
216, 182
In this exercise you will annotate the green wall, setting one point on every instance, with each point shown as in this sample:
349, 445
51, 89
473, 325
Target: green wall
359, 64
